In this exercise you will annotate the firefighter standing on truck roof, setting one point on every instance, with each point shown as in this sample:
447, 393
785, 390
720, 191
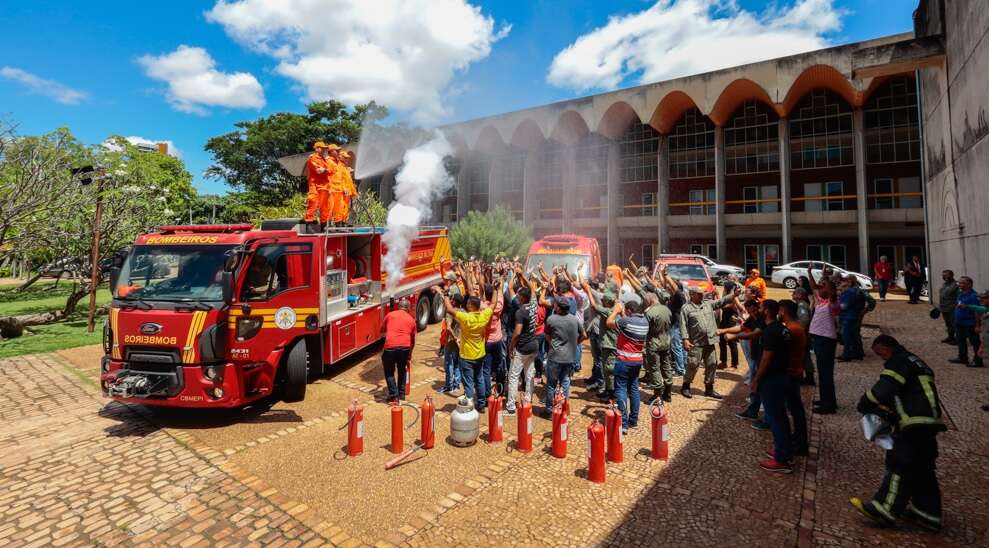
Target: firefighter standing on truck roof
320, 167
342, 188
906, 396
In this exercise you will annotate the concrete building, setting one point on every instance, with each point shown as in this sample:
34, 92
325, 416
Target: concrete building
955, 98
811, 156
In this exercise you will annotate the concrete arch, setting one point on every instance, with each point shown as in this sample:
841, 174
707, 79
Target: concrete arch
734, 95
820, 76
489, 140
670, 110
616, 120
527, 135
570, 127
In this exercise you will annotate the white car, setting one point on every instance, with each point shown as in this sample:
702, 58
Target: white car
788, 275
718, 272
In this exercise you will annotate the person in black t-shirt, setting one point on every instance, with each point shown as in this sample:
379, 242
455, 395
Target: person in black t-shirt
727, 320
770, 383
751, 332
523, 347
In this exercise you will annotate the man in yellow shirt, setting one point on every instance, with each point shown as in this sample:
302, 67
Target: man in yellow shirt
473, 334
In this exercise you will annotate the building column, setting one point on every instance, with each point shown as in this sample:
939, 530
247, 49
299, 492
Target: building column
787, 228
861, 190
720, 233
530, 171
463, 192
614, 202
495, 177
663, 195
386, 189
569, 181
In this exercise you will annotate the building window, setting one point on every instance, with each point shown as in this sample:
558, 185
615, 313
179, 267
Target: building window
821, 132
512, 171
551, 166
760, 199
591, 161
648, 204
708, 250
691, 146
648, 254
890, 193
639, 151
704, 200
765, 257
892, 133
823, 190
829, 253
752, 140
475, 176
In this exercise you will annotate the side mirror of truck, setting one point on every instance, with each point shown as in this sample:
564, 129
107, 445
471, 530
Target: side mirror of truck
114, 277
227, 282
231, 260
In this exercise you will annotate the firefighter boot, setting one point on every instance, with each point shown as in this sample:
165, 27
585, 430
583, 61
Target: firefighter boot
666, 393
867, 510
685, 391
709, 392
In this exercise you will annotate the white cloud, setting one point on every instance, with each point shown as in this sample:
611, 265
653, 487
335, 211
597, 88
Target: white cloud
49, 88
400, 53
172, 149
194, 83
682, 37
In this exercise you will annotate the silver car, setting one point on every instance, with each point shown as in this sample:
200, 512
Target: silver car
788, 275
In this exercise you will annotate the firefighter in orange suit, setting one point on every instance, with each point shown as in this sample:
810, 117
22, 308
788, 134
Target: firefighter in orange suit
342, 188
321, 169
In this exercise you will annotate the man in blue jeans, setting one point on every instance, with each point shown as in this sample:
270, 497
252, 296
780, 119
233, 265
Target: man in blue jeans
632, 330
563, 334
771, 384
676, 302
966, 333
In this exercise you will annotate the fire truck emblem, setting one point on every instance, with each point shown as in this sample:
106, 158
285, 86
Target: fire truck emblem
285, 318
150, 328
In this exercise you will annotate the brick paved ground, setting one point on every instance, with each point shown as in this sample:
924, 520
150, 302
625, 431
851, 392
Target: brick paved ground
257, 474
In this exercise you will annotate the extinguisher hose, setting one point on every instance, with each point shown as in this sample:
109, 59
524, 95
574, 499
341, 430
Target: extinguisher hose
414, 408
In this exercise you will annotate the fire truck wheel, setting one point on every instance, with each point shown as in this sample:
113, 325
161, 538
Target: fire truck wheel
438, 309
314, 358
296, 373
422, 311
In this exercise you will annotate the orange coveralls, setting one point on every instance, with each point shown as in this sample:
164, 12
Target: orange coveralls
319, 187
341, 191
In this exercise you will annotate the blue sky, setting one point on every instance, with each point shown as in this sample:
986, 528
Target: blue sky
79, 64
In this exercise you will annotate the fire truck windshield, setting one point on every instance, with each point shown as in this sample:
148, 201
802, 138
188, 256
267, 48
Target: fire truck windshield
172, 273
550, 260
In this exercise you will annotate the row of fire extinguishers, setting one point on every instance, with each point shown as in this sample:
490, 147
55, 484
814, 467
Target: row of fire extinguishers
599, 435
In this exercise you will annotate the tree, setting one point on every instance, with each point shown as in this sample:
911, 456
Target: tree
366, 209
248, 157
490, 234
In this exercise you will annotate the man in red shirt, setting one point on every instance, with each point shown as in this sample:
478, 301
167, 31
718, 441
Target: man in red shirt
883, 271
399, 329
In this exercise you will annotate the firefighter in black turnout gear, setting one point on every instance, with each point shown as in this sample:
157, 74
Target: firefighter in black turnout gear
907, 398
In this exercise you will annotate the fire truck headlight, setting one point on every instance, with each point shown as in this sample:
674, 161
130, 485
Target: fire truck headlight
107, 338
211, 372
248, 326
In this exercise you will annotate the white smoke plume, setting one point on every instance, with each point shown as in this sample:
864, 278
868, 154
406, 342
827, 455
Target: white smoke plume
421, 179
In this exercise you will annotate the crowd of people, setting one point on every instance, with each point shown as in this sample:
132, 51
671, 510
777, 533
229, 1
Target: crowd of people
513, 330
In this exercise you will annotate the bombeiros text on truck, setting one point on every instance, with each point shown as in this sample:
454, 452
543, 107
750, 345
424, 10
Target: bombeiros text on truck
224, 315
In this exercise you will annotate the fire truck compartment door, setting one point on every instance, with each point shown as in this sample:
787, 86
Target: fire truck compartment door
344, 337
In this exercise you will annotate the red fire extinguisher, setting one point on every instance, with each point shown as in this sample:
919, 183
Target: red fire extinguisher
525, 425
396, 428
613, 422
408, 378
660, 430
559, 432
428, 436
595, 459
560, 399
355, 429
495, 421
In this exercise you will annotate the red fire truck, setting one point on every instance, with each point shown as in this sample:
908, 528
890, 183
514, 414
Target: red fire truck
224, 315
565, 249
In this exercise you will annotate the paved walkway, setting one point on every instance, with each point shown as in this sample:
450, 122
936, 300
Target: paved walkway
75, 470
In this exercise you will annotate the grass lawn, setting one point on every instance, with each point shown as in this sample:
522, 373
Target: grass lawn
43, 296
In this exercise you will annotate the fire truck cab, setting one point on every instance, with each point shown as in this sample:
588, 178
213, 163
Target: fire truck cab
567, 250
224, 315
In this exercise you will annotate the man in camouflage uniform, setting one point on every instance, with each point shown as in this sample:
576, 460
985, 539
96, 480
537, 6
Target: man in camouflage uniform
700, 328
658, 355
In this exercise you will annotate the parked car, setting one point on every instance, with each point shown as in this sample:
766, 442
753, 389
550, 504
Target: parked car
901, 283
788, 275
718, 271
690, 272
